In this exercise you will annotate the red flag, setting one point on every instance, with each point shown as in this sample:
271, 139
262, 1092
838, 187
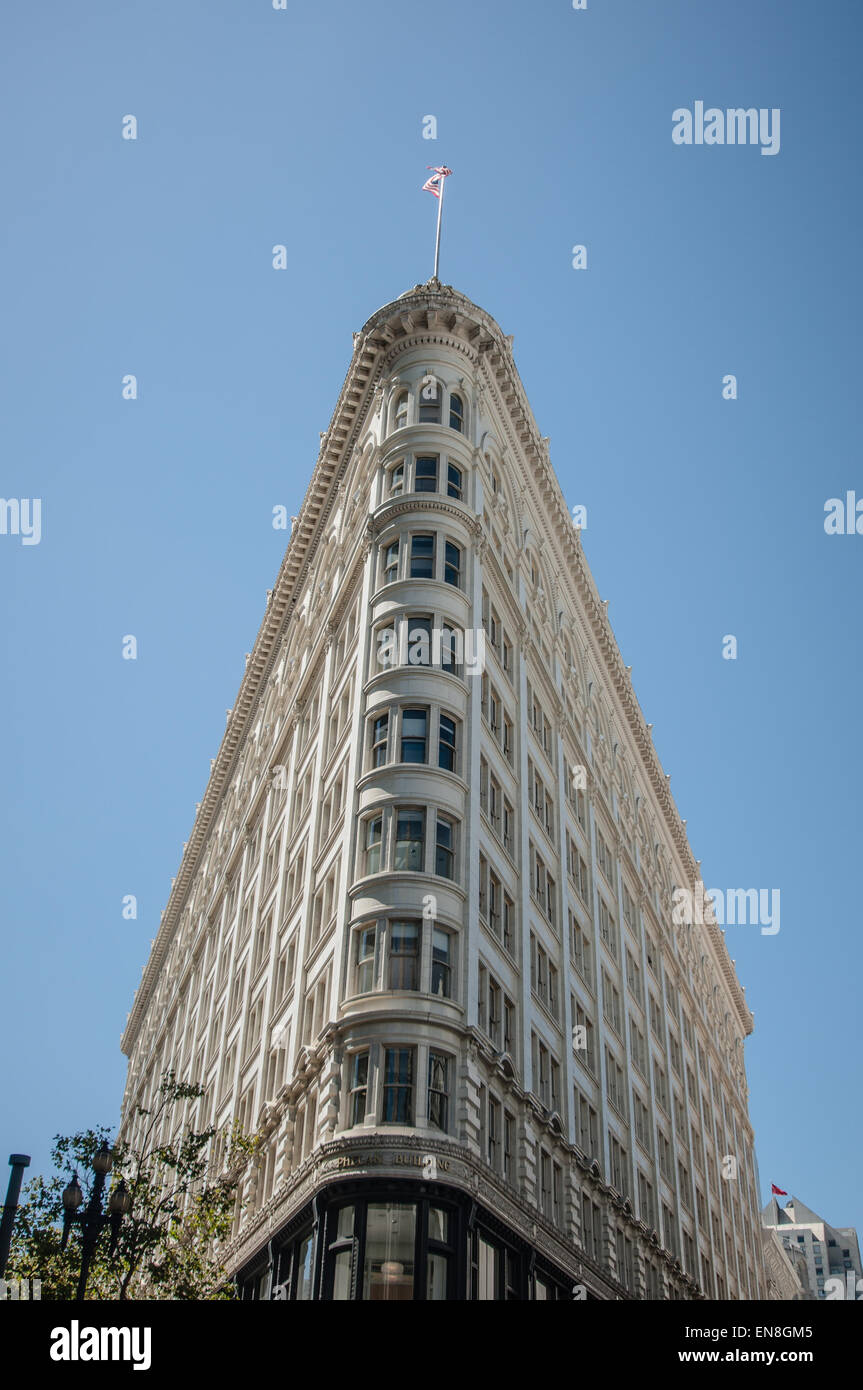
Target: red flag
777, 1190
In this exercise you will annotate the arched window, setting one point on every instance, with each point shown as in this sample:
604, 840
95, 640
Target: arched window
456, 413
430, 399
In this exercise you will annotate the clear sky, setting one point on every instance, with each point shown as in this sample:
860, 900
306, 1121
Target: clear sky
705, 516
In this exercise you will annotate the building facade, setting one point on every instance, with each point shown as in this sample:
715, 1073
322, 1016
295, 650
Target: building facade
827, 1258
784, 1269
421, 937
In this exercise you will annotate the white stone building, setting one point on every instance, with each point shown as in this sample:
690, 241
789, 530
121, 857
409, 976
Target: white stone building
827, 1257
421, 933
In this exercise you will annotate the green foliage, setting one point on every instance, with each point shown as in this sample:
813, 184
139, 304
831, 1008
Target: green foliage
181, 1212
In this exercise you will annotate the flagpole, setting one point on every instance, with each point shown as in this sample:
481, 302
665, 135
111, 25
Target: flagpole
439, 217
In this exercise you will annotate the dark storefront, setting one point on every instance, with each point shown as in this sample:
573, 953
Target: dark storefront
399, 1241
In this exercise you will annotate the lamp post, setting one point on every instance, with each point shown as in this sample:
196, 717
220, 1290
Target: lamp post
19, 1162
92, 1219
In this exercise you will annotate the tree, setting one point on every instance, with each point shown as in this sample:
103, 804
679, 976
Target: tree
182, 1209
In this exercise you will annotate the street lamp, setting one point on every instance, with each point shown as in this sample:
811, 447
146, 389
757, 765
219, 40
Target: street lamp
92, 1219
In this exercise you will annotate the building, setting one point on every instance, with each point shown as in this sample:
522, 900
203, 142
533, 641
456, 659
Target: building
784, 1269
421, 933
828, 1256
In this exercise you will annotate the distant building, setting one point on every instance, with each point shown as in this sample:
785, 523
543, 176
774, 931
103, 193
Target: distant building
784, 1268
830, 1254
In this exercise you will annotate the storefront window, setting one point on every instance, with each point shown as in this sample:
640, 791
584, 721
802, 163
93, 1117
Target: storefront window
304, 1269
388, 1272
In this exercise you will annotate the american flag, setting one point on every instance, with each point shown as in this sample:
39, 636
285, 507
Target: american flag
433, 185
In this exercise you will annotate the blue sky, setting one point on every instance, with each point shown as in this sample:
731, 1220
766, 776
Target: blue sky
705, 516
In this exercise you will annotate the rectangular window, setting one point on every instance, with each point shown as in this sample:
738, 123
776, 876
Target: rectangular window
454, 481
445, 848
447, 744
380, 732
438, 1092
373, 838
391, 563
404, 940
365, 962
422, 557
359, 1087
426, 472
398, 1087
410, 840
452, 565
441, 982
414, 735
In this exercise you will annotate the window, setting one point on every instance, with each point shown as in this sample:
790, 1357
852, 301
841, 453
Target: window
438, 1090
365, 962
419, 639
625, 1262
425, 474
404, 939
380, 736
447, 744
316, 1007
665, 1164
577, 869
586, 1125
496, 1012
583, 1043
660, 1085
452, 565
615, 1082
633, 977
611, 1003
638, 1047
591, 1227
546, 1074
414, 728
445, 847
359, 1086
400, 414
441, 981
390, 1244
543, 976
398, 1086
656, 1022
422, 557
603, 857
454, 486
391, 562
607, 927
323, 906
456, 413
542, 885
373, 839
430, 403
646, 1205
642, 1122
410, 840
580, 949
396, 480
385, 650
619, 1165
